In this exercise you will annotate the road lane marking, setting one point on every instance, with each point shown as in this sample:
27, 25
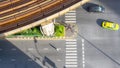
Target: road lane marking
71, 48
83, 54
71, 45
71, 60
71, 56
72, 51
70, 65
71, 42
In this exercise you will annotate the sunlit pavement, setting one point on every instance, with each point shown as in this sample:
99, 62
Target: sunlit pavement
101, 45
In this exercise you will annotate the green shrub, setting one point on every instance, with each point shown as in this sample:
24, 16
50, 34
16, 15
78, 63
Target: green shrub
59, 30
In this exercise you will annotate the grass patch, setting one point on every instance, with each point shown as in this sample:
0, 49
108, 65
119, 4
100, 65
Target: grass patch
59, 30
29, 32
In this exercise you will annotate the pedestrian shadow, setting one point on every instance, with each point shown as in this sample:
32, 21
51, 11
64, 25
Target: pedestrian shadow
13, 56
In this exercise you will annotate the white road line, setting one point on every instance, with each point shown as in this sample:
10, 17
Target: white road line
71, 48
83, 54
71, 60
71, 19
72, 51
30, 48
71, 56
71, 42
45, 48
71, 66
71, 45
71, 16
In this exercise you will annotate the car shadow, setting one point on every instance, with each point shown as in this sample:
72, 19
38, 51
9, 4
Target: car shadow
99, 22
85, 6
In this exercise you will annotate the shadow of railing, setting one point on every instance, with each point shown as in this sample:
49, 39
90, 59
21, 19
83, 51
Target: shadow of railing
48, 63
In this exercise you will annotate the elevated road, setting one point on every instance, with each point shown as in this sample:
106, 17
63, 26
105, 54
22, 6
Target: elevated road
26, 12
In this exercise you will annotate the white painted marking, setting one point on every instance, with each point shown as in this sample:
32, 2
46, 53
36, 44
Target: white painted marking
70, 63
83, 54
45, 49
71, 48
70, 19
71, 66
30, 48
70, 16
71, 45
71, 56
82, 40
71, 60
72, 51
71, 42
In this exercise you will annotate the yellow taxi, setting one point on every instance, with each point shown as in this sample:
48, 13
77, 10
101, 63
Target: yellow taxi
110, 25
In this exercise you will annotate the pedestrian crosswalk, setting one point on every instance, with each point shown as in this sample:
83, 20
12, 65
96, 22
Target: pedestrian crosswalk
71, 54
70, 17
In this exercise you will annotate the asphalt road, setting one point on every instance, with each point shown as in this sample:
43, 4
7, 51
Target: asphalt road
101, 45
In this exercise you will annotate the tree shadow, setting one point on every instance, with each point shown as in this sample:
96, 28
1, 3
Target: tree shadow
14, 57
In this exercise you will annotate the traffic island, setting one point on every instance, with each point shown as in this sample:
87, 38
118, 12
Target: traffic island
60, 32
